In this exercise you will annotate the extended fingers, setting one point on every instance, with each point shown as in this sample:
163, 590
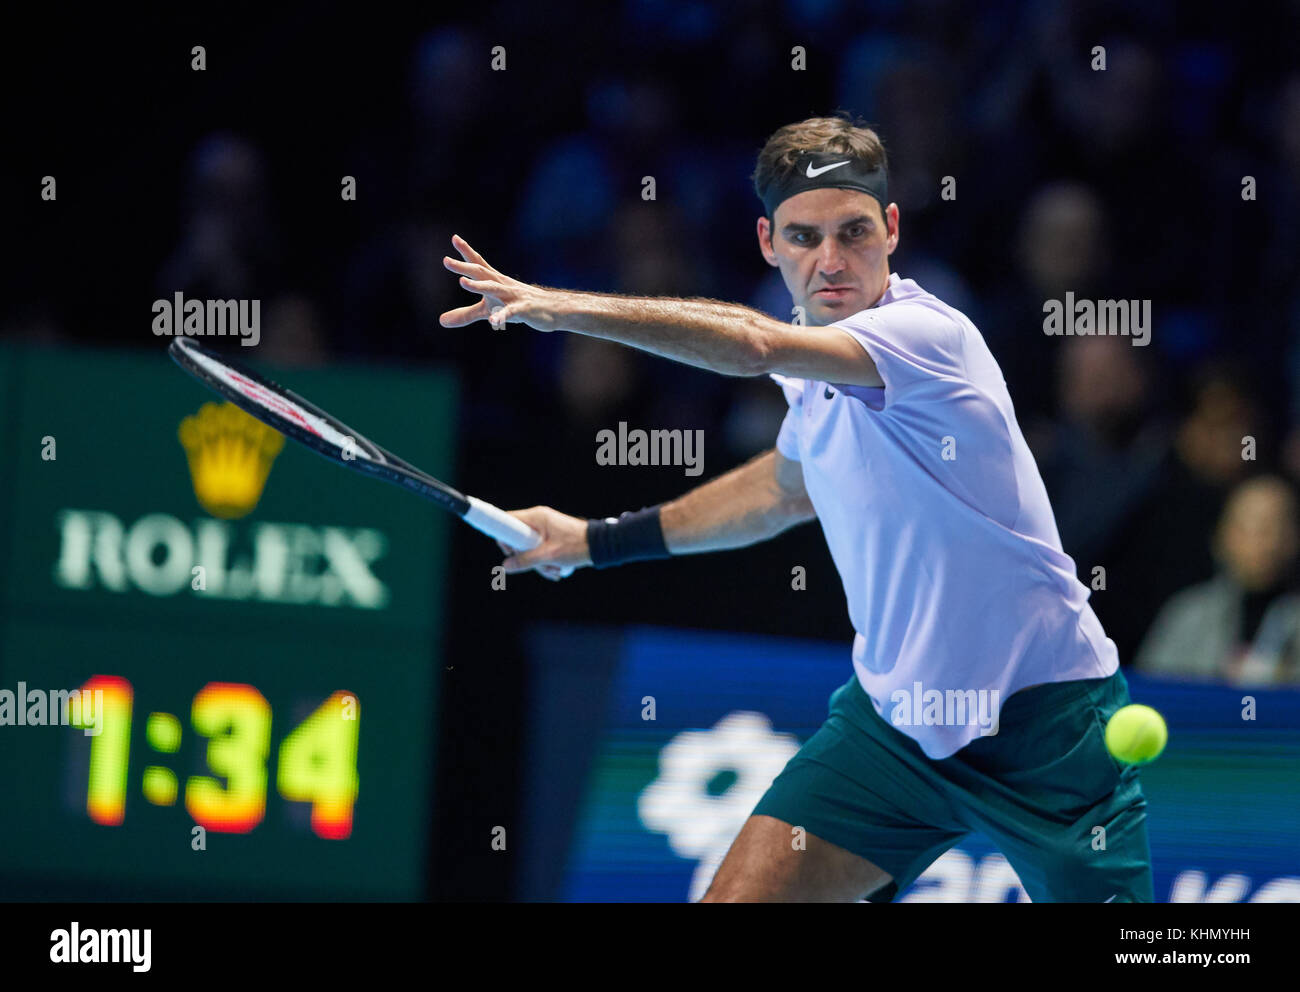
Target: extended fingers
487, 287
468, 253
475, 270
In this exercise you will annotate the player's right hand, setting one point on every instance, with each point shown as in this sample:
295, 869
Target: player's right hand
504, 300
564, 544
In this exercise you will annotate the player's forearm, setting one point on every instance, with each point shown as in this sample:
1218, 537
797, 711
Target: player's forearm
743, 507
723, 337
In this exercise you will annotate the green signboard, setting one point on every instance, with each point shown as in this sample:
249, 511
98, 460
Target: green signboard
252, 635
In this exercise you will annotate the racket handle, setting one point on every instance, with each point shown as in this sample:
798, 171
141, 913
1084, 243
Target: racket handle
507, 529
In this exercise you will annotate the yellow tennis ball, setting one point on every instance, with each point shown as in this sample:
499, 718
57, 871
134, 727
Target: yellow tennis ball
1136, 734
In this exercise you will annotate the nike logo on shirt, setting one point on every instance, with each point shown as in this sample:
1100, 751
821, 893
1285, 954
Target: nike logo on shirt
812, 173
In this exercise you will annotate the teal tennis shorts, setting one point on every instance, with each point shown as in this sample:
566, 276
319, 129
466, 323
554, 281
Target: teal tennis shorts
1039, 789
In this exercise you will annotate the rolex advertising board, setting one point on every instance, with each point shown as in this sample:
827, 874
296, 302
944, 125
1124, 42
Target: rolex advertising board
253, 631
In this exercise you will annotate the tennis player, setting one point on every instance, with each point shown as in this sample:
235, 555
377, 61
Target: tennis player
901, 440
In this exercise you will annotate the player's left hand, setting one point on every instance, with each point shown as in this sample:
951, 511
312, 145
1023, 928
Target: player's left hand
504, 299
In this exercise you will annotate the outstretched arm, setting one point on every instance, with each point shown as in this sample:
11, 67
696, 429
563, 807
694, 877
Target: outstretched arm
722, 337
752, 503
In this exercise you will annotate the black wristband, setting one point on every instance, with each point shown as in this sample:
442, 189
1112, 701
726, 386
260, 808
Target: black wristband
635, 536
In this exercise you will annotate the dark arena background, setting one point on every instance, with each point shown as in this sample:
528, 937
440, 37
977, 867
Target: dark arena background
223, 587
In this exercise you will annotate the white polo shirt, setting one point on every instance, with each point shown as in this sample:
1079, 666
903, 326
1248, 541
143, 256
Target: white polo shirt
938, 523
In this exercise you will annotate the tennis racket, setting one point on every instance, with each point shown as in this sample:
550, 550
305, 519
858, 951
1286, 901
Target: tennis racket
329, 437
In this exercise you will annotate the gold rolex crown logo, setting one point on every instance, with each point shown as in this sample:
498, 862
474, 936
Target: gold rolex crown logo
230, 456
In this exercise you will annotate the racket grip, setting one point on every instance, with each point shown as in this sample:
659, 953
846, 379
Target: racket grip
497, 523
507, 529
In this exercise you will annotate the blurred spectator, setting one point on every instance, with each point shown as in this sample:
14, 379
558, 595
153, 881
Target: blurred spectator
229, 245
1243, 626
1212, 440
596, 380
563, 217
1062, 242
648, 238
1281, 263
396, 288
446, 98
1162, 546
1061, 247
1101, 461
230, 249
906, 93
292, 334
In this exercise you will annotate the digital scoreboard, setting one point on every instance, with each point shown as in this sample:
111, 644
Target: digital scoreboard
218, 653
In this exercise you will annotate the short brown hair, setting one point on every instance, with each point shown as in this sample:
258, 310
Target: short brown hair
838, 135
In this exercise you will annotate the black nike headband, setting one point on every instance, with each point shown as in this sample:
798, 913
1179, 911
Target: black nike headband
827, 171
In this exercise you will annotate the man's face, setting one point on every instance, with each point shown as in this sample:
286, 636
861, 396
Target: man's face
832, 247
1258, 537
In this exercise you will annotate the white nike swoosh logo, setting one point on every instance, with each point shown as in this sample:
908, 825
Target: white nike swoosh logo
1112, 897
814, 173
